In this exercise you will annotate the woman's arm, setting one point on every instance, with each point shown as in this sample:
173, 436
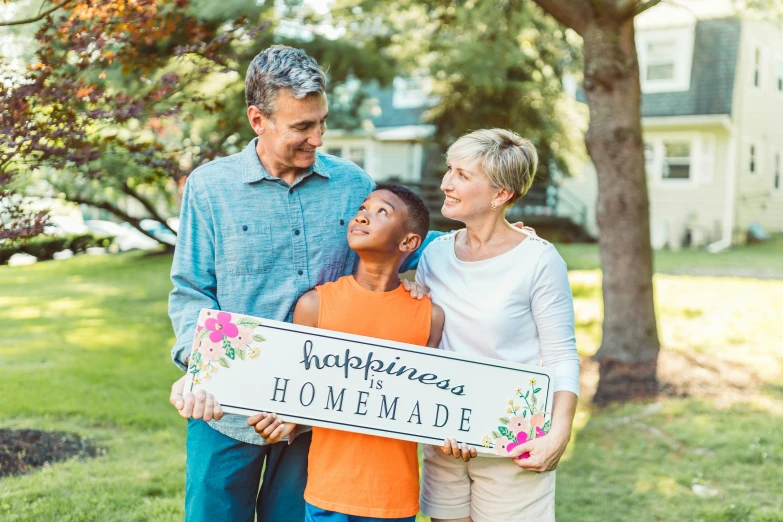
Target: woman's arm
552, 306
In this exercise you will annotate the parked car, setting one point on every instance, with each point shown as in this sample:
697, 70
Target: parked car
161, 233
125, 236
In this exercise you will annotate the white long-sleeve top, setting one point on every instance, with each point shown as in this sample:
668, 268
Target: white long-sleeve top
516, 306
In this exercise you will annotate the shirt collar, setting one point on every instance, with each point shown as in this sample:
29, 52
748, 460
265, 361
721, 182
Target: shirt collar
254, 171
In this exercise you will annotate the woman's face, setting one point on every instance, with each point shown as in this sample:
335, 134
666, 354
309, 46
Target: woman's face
468, 191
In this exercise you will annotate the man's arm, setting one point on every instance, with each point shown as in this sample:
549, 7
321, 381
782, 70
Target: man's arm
268, 425
192, 271
436, 326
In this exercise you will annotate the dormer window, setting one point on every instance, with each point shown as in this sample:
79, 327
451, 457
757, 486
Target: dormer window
665, 58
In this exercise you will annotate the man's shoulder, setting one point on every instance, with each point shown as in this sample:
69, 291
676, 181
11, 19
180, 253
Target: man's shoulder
343, 170
218, 170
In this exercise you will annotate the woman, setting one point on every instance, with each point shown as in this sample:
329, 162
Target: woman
506, 295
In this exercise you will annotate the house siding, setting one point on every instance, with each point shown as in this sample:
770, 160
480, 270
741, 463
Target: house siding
759, 121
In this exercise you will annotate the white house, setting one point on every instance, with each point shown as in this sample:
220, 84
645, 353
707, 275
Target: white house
712, 118
394, 142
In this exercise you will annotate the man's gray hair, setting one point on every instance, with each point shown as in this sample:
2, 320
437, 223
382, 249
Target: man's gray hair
281, 67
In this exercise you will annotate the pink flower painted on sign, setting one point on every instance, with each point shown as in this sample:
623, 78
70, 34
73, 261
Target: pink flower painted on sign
242, 339
519, 424
220, 326
211, 351
501, 445
537, 420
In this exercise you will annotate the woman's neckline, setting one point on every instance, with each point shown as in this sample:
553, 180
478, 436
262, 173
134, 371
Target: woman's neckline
487, 260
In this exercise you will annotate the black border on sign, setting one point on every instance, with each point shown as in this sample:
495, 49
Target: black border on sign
435, 353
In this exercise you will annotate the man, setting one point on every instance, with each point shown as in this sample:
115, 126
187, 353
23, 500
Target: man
258, 229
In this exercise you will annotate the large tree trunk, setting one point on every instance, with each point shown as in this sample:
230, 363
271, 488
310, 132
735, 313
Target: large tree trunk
629, 351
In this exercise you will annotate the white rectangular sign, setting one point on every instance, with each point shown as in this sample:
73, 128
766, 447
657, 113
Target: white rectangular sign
366, 385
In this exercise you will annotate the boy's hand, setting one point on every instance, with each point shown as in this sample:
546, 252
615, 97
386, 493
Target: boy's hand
417, 291
270, 427
202, 405
453, 448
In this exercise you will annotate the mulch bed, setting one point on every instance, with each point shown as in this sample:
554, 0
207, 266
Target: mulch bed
23, 450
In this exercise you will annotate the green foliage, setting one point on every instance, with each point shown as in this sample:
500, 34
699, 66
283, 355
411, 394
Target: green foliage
44, 247
492, 64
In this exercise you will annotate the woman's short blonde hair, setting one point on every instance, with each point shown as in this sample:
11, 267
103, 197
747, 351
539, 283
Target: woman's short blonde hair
508, 160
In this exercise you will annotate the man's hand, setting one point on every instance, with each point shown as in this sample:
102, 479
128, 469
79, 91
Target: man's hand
202, 405
416, 290
520, 225
270, 426
464, 452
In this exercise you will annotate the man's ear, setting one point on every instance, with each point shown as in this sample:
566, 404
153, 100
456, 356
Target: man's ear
410, 242
257, 120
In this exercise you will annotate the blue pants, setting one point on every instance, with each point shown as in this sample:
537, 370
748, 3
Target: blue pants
316, 514
223, 475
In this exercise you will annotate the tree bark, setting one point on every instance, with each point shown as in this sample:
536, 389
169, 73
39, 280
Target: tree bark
148, 206
629, 349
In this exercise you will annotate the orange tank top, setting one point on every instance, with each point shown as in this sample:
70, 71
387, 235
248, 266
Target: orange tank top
352, 473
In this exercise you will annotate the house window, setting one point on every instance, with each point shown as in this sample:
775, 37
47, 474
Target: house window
356, 154
757, 67
649, 157
665, 58
677, 160
752, 160
776, 183
335, 151
661, 60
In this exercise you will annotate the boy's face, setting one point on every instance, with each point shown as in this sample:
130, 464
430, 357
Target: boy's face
379, 225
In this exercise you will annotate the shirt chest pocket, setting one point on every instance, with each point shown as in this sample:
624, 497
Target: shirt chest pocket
333, 241
247, 249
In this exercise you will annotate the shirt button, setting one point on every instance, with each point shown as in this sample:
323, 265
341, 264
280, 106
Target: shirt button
300, 272
244, 228
342, 222
296, 232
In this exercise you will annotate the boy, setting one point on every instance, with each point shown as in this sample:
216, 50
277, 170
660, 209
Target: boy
351, 476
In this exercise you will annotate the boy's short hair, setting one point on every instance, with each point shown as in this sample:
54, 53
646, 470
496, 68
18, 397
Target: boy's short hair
418, 220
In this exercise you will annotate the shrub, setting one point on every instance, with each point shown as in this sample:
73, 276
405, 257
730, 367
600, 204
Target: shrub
44, 247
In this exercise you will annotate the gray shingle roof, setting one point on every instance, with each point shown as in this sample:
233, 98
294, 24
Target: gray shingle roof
715, 50
390, 116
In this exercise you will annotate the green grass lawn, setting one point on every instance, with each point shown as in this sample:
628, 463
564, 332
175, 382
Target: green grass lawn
85, 349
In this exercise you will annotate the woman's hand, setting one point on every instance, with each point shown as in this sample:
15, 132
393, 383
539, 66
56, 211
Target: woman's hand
270, 426
453, 448
541, 454
416, 290
202, 405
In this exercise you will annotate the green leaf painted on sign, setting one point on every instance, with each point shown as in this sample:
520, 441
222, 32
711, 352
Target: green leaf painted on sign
230, 353
194, 370
241, 354
505, 420
258, 338
223, 362
537, 390
196, 357
201, 334
495, 435
248, 322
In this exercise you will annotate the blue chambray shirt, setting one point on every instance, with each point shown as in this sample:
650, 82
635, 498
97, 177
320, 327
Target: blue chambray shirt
251, 244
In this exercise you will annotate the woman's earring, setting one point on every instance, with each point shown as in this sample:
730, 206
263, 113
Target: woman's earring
494, 207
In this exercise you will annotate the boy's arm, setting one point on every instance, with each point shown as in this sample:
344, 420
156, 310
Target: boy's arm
268, 425
436, 326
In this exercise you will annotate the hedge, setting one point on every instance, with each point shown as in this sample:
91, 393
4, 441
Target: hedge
44, 247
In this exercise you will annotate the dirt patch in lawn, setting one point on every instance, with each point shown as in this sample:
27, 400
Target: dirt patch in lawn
690, 375
21, 451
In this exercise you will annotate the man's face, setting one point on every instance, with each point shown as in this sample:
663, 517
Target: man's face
379, 225
290, 137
